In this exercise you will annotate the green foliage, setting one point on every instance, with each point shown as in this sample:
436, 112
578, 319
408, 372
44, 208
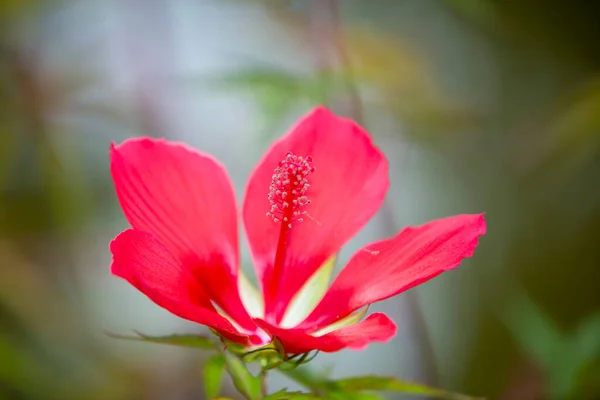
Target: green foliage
272, 356
360, 387
195, 341
213, 374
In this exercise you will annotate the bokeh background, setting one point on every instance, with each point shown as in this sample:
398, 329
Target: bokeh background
480, 105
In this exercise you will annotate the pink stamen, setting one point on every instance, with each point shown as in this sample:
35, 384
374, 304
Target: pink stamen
288, 188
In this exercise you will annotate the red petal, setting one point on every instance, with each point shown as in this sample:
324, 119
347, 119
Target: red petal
386, 268
376, 328
147, 264
185, 200
347, 187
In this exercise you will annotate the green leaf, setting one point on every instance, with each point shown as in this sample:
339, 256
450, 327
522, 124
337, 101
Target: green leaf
247, 384
355, 388
363, 383
196, 341
213, 374
284, 395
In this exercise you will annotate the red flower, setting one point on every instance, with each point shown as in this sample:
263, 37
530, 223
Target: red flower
318, 185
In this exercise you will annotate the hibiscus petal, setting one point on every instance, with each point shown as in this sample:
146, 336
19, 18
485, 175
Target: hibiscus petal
347, 187
148, 265
307, 298
184, 199
376, 328
389, 267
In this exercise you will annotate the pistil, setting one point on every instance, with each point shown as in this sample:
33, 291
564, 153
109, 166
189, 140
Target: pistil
287, 197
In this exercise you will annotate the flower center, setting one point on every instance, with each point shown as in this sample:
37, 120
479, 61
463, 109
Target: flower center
288, 198
288, 189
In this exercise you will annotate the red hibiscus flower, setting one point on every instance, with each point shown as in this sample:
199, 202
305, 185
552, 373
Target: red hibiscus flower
312, 191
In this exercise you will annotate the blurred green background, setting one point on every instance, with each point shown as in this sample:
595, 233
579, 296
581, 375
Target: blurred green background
480, 105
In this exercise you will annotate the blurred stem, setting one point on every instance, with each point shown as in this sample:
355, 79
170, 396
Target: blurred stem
344, 58
264, 386
326, 18
320, 29
330, 44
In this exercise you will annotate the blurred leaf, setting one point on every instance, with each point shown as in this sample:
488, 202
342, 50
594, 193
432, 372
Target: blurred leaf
561, 356
394, 385
213, 374
587, 338
531, 327
355, 387
247, 384
284, 394
355, 396
196, 341
537, 334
